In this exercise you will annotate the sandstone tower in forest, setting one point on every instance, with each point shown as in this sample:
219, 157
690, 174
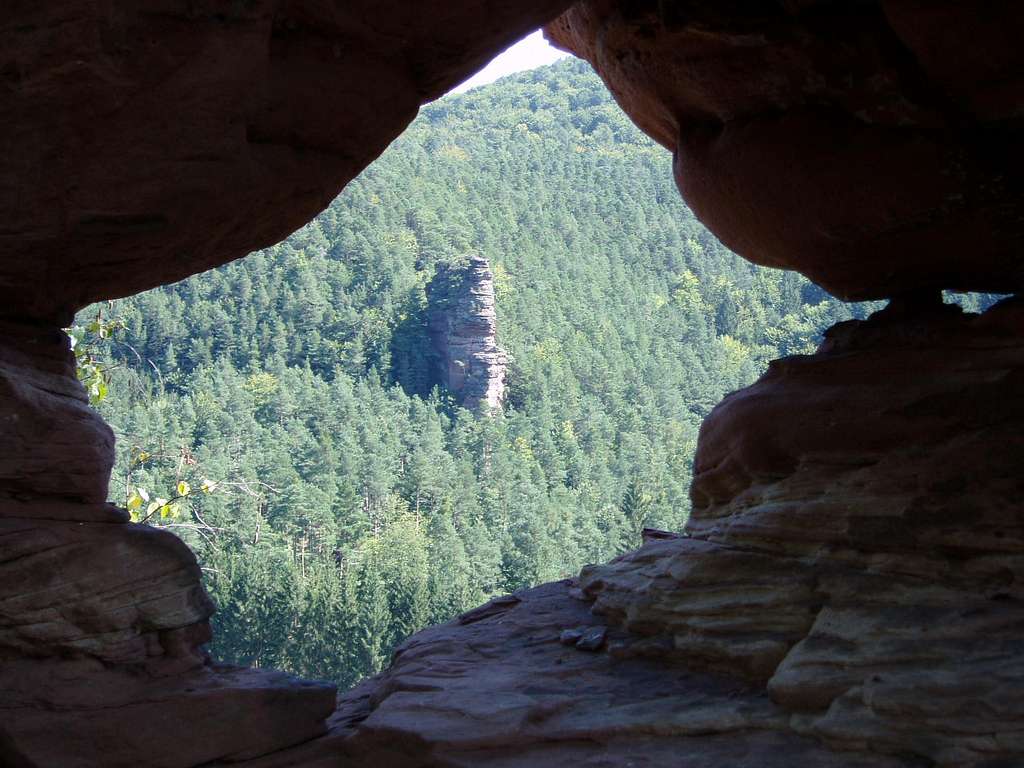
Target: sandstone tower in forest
463, 328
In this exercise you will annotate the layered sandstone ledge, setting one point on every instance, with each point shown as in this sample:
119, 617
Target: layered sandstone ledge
503, 691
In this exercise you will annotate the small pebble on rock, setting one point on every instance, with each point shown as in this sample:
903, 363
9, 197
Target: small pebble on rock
593, 638
570, 636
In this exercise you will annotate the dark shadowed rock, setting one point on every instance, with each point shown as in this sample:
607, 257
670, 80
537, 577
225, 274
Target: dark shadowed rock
53, 446
570, 636
855, 142
592, 639
146, 140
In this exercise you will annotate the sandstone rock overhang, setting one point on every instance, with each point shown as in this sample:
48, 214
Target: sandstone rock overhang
849, 589
144, 141
873, 146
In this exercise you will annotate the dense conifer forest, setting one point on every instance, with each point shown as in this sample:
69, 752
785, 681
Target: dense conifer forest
279, 414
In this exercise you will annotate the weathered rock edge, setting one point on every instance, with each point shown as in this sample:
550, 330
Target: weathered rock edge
146, 140
858, 143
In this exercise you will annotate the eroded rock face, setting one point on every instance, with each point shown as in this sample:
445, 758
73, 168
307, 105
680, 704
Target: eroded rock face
907, 429
146, 141
463, 327
497, 688
53, 446
102, 628
856, 542
851, 142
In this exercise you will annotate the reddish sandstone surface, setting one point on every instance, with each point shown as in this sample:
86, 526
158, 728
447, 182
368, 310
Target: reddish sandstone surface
848, 591
146, 141
867, 145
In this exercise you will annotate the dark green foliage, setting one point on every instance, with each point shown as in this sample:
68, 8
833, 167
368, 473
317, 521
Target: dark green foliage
354, 504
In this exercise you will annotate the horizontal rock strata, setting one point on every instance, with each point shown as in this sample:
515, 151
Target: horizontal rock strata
102, 628
856, 545
53, 446
499, 689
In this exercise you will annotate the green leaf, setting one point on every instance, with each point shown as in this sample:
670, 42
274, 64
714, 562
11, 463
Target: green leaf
134, 501
184, 489
155, 505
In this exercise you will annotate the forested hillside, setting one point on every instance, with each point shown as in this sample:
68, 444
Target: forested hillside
282, 405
